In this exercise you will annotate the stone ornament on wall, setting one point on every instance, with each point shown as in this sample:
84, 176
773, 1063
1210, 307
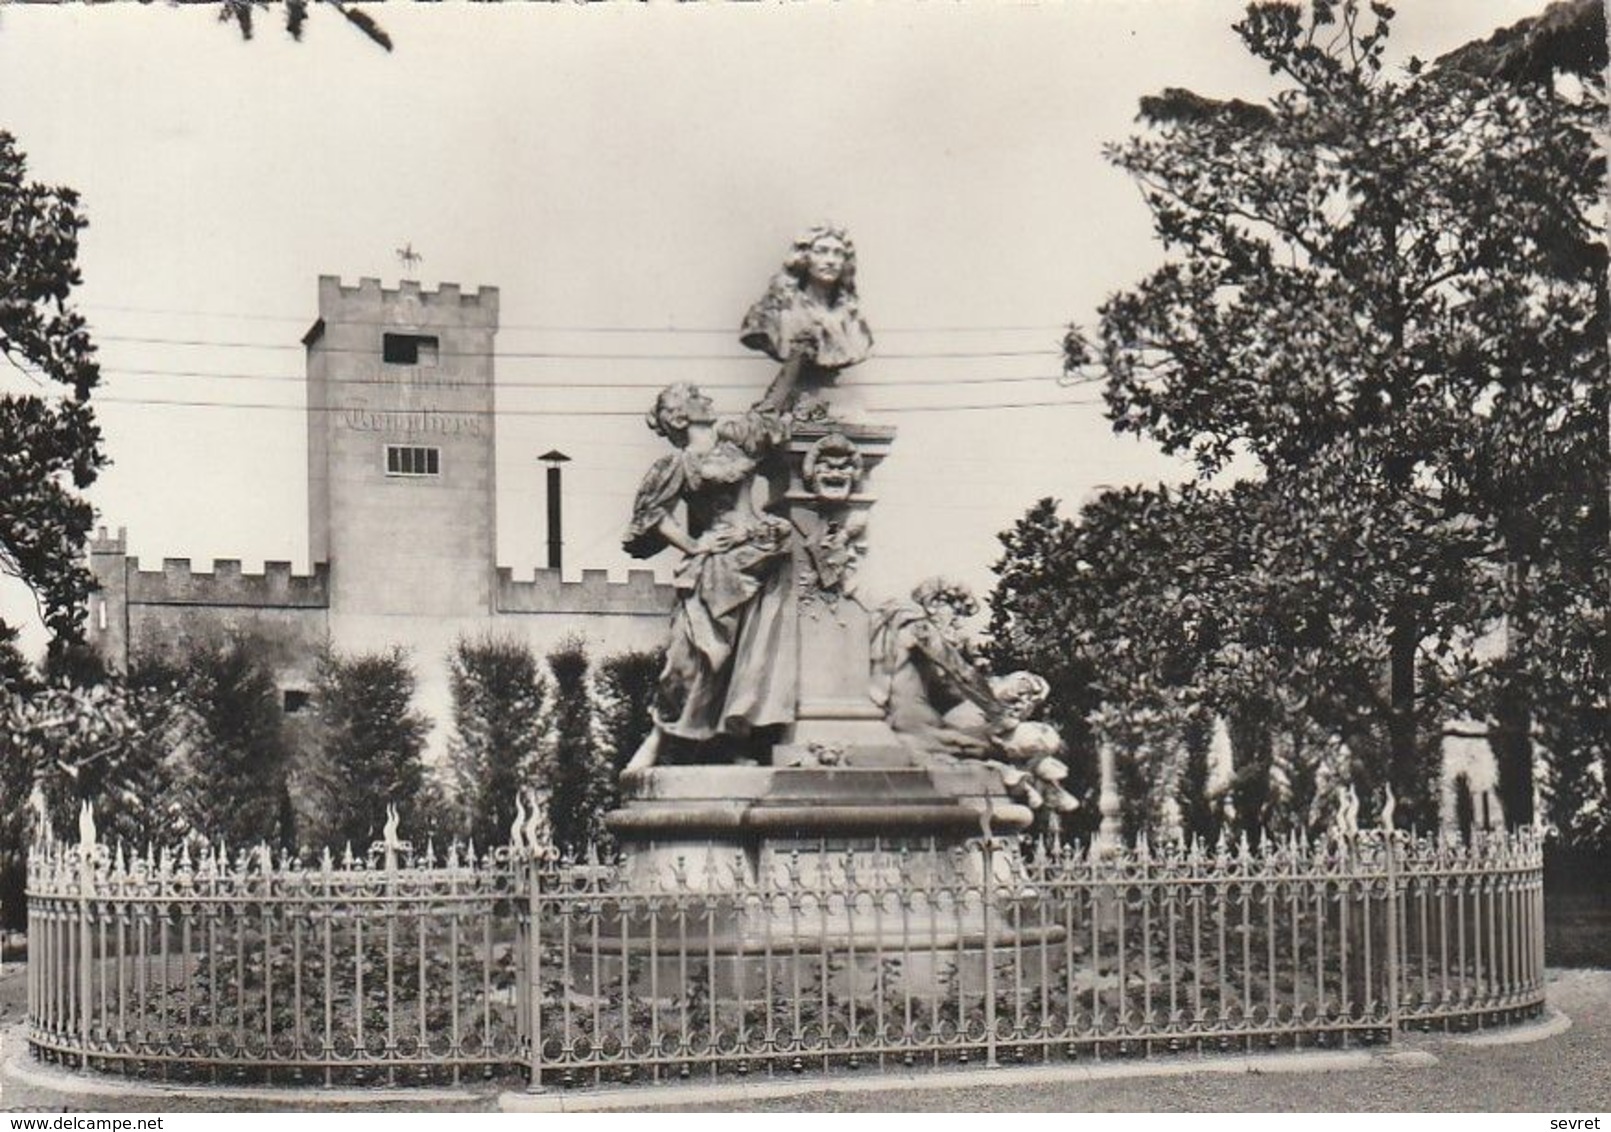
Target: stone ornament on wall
833, 551
408, 310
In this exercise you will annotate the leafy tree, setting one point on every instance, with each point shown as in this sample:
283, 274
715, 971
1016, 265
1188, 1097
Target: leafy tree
498, 724
372, 746
50, 446
1370, 278
1200, 817
122, 749
623, 694
236, 780
16, 674
1037, 623
578, 776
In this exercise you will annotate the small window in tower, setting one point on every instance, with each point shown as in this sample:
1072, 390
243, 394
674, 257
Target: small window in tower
408, 460
408, 349
295, 700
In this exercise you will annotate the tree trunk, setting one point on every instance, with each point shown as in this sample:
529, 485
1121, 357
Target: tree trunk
1511, 735
1252, 753
1199, 816
1405, 771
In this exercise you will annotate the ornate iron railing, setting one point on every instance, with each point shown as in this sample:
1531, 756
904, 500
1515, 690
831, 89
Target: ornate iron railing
255, 967
842, 955
818, 955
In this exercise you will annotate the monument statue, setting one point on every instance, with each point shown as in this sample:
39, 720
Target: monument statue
769, 744
810, 314
731, 658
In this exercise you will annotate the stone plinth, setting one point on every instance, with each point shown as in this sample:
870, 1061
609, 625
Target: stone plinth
874, 794
850, 839
835, 715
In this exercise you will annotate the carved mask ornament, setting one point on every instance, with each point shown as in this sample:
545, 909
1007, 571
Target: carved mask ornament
832, 468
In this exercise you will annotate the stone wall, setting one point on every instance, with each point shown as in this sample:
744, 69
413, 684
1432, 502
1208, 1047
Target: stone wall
547, 593
137, 611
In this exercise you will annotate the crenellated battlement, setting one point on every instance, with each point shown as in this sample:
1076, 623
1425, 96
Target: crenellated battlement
547, 592
227, 585
101, 543
447, 304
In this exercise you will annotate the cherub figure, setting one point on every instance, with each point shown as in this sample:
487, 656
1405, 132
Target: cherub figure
942, 705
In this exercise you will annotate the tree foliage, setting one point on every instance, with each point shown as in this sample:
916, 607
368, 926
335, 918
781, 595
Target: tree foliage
243, 14
498, 721
623, 696
371, 746
122, 749
578, 778
50, 446
237, 782
1387, 292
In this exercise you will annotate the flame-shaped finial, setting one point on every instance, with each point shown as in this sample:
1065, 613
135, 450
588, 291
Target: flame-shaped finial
86, 828
43, 833
517, 828
537, 831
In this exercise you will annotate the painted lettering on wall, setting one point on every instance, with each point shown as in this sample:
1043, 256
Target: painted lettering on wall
417, 377
429, 421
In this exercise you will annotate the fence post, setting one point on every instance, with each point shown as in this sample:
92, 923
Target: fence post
1395, 919
534, 974
86, 889
989, 845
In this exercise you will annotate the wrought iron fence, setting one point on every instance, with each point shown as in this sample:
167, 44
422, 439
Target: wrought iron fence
255, 967
816, 955
842, 955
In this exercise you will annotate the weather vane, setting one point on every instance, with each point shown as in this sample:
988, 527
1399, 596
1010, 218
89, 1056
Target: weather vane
409, 257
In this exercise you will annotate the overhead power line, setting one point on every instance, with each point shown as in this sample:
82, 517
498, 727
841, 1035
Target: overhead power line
506, 383
563, 355
558, 328
551, 412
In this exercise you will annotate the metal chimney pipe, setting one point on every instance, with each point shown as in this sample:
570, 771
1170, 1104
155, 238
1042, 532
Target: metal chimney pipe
555, 459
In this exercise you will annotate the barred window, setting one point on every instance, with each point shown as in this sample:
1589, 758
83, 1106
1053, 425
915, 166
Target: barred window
406, 460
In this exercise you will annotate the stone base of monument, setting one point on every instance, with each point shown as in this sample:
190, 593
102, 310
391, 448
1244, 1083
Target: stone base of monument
777, 869
885, 794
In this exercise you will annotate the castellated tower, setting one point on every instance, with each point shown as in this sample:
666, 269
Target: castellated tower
402, 517
401, 487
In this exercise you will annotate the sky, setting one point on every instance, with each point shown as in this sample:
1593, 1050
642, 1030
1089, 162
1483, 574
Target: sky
628, 177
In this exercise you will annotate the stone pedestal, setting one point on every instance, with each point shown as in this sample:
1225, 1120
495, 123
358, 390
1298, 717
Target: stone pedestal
869, 847
835, 716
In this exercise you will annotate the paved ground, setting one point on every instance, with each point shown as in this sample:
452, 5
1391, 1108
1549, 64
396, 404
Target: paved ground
1567, 1072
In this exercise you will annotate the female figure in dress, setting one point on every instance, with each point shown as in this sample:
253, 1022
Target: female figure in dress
809, 313
732, 660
